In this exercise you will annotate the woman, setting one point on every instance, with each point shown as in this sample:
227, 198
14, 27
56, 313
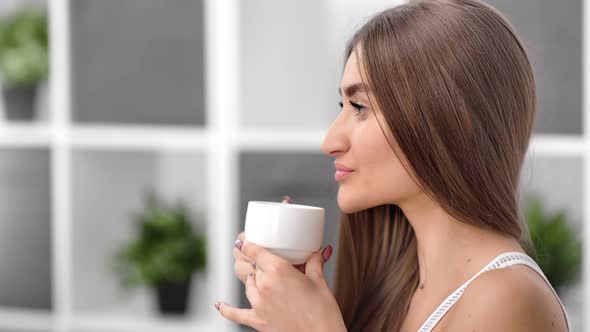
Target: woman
438, 105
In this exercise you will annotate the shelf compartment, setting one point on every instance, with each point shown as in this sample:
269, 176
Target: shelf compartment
107, 187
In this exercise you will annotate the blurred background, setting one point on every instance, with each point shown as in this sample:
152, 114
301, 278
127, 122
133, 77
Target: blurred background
134, 132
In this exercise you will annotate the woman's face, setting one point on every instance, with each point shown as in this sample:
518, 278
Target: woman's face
357, 142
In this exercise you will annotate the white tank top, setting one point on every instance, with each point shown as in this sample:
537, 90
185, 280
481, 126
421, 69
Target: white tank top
501, 261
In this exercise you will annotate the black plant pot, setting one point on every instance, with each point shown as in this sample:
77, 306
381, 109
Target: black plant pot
173, 297
20, 102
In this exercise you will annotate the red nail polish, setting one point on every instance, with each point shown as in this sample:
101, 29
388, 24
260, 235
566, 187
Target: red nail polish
238, 244
217, 306
327, 253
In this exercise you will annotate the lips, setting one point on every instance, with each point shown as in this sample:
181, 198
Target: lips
341, 171
339, 175
342, 167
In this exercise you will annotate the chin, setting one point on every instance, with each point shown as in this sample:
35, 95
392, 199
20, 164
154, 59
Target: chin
350, 204
347, 209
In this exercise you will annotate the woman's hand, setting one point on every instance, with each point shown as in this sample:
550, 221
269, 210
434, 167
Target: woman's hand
282, 297
243, 264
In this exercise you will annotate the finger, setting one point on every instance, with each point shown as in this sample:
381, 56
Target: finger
239, 241
261, 256
315, 265
287, 199
239, 256
327, 253
241, 236
238, 315
251, 290
242, 269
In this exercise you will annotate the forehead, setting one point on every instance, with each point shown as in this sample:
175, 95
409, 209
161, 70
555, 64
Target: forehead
352, 82
352, 71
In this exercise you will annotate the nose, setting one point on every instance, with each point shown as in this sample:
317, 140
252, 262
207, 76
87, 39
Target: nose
336, 140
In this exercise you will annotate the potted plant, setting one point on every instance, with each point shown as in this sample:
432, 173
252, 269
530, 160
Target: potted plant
165, 254
24, 60
558, 252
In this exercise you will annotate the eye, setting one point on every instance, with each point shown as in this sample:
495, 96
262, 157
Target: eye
359, 108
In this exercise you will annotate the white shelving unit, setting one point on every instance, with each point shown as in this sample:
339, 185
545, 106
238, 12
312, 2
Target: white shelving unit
25, 135
124, 324
222, 141
31, 320
145, 137
61, 136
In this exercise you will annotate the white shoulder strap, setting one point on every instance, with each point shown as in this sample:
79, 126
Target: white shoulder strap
501, 261
520, 258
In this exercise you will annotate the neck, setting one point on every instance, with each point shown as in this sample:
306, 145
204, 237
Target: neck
450, 251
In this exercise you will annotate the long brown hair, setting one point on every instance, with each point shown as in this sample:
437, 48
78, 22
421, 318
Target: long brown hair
457, 92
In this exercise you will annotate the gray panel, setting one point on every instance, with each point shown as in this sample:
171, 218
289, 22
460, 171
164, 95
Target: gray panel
138, 61
552, 30
307, 178
25, 229
559, 182
288, 74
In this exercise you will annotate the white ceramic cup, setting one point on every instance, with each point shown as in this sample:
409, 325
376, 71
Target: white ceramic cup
292, 231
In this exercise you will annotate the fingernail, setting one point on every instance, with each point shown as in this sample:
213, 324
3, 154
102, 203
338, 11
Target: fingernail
253, 264
287, 199
217, 305
327, 253
238, 244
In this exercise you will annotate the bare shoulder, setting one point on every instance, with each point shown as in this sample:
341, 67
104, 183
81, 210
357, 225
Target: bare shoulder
515, 298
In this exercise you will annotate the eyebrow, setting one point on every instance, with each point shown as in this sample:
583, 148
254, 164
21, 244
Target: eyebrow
352, 89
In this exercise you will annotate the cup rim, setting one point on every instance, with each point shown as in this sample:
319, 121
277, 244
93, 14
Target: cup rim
309, 207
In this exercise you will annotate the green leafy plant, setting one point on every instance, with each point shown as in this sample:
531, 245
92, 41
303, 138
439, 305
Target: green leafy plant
167, 249
558, 252
24, 55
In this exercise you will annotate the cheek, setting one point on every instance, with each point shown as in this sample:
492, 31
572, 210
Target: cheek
380, 179
392, 183
387, 182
